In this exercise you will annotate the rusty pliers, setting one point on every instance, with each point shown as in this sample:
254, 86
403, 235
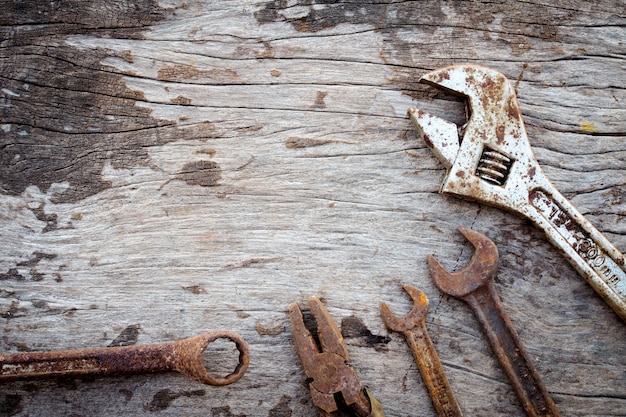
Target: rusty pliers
333, 382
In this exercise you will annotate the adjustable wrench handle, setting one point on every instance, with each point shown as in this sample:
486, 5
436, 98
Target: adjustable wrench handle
432, 371
510, 351
593, 256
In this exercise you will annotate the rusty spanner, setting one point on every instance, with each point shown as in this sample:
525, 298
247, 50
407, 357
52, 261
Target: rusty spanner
413, 326
183, 356
493, 163
332, 380
474, 285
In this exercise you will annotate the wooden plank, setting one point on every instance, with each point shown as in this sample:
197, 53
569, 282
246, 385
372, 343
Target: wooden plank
170, 168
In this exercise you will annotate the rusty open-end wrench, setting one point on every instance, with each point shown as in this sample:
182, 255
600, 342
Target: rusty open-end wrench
183, 356
474, 285
489, 160
413, 326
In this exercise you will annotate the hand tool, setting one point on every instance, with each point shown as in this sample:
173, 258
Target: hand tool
183, 356
333, 381
490, 161
474, 285
413, 326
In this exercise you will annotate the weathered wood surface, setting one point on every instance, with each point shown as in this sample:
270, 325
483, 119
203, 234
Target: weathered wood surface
172, 168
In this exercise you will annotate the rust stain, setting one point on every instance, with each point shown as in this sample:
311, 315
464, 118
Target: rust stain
269, 331
163, 398
210, 151
224, 411
295, 142
253, 261
202, 173
180, 72
181, 100
512, 109
589, 127
195, 289
128, 56
427, 140
500, 130
253, 128
319, 100
267, 52
442, 76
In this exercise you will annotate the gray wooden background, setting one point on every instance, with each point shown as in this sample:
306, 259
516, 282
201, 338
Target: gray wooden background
170, 167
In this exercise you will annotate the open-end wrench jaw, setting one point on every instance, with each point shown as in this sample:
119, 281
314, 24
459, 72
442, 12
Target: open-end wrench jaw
412, 318
480, 270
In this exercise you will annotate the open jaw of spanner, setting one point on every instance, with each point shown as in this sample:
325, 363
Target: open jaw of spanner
332, 381
183, 356
413, 326
474, 285
489, 160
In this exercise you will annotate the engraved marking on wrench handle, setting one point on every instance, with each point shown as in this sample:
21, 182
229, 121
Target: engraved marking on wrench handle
591, 254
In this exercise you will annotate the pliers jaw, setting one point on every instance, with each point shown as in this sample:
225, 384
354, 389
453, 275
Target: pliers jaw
327, 365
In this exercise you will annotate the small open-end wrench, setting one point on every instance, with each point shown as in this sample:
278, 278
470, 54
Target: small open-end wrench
332, 381
183, 356
413, 326
489, 160
474, 285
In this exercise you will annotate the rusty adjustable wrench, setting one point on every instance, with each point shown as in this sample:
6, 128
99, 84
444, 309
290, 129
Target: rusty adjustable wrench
490, 160
474, 285
183, 356
413, 326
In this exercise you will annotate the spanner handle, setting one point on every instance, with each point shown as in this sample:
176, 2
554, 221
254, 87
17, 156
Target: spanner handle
432, 371
593, 256
510, 351
81, 362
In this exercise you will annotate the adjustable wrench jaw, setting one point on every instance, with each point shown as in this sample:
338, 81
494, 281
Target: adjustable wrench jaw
490, 159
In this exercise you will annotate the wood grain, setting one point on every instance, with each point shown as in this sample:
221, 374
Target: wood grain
169, 168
